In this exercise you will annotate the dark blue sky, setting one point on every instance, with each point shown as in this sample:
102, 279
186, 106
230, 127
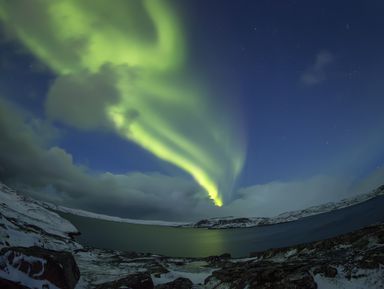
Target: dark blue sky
260, 55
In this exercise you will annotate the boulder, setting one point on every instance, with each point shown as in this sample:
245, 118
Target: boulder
156, 269
326, 270
262, 275
179, 283
132, 281
6, 284
39, 267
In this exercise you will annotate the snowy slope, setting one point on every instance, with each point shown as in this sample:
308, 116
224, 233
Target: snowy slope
92, 215
25, 223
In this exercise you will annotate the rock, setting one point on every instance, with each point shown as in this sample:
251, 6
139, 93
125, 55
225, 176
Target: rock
156, 268
218, 261
179, 283
39, 266
225, 256
326, 270
262, 275
202, 223
132, 281
6, 284
372, 260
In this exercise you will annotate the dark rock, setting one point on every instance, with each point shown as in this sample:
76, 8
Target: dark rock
156, 268
202, 223
326, 270
58, 268
6, 284
372, 260
233, 221
133, 281
263, 275
306, 282
225, 256
218, 260
207, 223
179, 283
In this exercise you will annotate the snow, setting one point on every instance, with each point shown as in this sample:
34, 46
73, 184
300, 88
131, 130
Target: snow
10, 271
87, 214
25, 223
196, 271
18, 207
361, 279
196, 278
98, 266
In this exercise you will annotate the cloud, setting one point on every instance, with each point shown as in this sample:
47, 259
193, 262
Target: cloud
80, 99
49, 173
30, 161
317, 72
123, 67
271, 199
276, 197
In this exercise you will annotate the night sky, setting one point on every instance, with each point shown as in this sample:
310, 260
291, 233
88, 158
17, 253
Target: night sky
278, 105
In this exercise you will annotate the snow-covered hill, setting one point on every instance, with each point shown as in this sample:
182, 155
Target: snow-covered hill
354, 260
25, 223
233, 222
92, 215
211, 223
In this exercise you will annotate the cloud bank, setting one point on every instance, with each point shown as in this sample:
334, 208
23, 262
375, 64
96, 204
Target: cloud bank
48, 172
31, 162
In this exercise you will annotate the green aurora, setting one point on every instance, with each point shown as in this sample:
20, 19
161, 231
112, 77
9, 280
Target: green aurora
137, 49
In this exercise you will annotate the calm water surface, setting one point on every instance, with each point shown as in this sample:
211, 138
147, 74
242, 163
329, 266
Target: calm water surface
190, 242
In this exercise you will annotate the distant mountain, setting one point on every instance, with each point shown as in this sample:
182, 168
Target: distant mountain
228, 222
233, 222
218, 222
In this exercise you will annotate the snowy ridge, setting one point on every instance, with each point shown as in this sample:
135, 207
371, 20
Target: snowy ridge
26, 223
233, 222
87, 214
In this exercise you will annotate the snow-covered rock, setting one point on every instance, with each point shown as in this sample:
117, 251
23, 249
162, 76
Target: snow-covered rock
34, 267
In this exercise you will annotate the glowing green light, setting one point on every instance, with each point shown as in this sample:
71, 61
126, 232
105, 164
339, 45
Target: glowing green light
142, 43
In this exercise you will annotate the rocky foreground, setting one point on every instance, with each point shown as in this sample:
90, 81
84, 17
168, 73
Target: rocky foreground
38, 251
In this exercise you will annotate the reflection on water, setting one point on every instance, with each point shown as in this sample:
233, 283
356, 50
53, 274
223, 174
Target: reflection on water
143, 238
189, 242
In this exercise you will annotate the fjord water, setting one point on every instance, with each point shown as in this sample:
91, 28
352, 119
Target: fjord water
192, 242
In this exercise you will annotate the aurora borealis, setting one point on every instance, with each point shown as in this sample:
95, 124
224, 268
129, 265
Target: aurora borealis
135, 52
189, 109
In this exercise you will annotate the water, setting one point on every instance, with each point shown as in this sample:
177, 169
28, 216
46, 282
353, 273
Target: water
190, 242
